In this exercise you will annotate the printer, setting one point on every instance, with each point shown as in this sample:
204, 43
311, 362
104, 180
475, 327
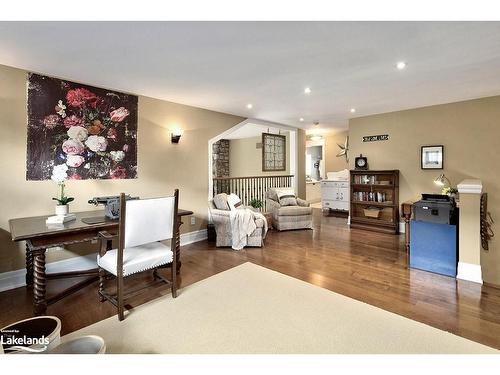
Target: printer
436, 208
434, 235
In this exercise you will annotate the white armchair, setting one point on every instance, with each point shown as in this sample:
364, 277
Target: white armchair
288, 217
222, 224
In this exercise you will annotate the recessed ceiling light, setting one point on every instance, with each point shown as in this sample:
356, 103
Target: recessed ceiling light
307, 90
353, 110
249, 105
301, 119
401, 65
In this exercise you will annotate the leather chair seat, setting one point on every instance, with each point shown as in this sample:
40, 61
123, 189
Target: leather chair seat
137, 259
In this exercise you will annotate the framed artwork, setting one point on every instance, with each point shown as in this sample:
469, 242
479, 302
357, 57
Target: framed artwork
80, 131
273, 152
431, 157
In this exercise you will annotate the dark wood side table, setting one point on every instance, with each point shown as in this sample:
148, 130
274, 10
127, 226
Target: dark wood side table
406, 213
269, 219
39, 237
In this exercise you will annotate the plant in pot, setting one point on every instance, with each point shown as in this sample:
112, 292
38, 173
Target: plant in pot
59, 175
450, 191
256, 203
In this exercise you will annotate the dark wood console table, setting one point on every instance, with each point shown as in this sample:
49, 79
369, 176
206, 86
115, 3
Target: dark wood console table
39, 237
406, 213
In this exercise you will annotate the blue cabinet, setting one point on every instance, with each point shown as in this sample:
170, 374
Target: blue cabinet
434, 247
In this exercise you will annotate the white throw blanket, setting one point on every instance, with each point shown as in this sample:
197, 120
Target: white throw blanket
243, 224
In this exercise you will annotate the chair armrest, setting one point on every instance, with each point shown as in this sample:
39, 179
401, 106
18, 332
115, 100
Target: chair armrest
302, 203
272, 205
217, 212
105, 235
105, 238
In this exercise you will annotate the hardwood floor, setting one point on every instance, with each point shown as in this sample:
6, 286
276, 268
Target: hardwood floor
366, 266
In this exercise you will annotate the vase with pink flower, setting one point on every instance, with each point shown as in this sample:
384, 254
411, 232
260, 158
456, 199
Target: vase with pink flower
60, 175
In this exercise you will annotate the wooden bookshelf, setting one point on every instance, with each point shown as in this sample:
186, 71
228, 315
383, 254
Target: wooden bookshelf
377, 191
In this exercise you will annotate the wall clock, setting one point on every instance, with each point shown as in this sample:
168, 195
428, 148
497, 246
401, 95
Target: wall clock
361, 162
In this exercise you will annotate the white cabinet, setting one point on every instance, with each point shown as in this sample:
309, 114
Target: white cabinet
313, 192
335, 195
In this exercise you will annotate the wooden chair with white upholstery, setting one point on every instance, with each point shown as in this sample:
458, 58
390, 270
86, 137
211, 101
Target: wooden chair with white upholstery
143, 224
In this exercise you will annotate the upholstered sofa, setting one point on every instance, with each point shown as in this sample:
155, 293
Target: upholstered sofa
221, 220
288, 217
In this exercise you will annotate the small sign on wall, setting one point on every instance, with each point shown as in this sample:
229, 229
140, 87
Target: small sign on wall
375, 138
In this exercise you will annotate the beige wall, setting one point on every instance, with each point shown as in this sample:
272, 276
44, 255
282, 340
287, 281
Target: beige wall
246, 160
470, 133
332, 162
158, 163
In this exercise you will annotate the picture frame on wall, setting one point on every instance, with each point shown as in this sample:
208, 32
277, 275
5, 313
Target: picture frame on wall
432, 157
273, 152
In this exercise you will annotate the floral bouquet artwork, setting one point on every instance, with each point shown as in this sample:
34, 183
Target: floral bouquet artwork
87, 132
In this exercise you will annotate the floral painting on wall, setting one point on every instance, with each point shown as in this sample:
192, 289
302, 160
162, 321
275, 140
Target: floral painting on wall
79, 131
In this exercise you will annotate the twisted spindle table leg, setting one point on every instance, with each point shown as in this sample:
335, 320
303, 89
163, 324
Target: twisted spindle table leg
40, 302
29, 266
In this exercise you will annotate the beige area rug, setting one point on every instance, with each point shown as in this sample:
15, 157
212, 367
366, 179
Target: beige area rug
251, 309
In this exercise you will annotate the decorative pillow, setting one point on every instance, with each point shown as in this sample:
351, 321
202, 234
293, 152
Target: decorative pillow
286, 197
220, 202
271, 194
234, 201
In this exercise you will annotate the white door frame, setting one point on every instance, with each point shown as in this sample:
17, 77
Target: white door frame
293, 147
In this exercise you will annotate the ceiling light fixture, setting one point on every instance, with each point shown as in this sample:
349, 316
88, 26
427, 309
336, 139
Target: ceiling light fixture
307, 90
316, 137
301, 119
401, 65
353, 110
249, 105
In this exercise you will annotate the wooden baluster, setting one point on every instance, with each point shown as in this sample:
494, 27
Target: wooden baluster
246, 190
243, 192
258, 187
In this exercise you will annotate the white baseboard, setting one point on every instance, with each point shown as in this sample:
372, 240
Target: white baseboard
191, 237
16, 279
470, 272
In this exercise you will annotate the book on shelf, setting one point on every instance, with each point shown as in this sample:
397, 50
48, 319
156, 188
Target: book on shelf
370, 196
364, 179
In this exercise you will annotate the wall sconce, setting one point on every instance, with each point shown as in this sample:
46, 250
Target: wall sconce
175, 136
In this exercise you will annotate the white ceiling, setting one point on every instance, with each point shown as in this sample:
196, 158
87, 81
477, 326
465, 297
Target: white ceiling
225, 65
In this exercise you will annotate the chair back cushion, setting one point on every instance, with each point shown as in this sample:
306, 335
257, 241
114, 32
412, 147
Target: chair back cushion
286, 197
149, 220
220, 201
234, 201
